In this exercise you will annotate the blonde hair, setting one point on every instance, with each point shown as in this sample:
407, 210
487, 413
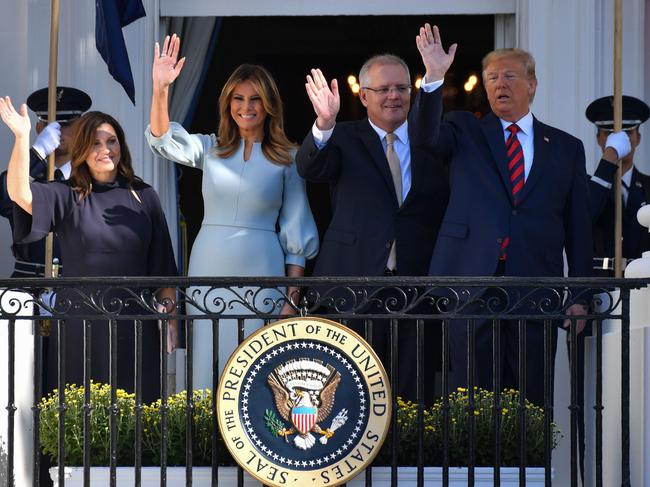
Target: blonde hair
520, 55
275, 145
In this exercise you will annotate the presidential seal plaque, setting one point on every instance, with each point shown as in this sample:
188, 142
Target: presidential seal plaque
304, 402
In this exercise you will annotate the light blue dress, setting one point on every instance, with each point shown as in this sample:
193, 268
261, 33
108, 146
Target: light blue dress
243, 200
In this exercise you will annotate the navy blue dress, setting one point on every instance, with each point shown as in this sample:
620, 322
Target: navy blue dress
108, 233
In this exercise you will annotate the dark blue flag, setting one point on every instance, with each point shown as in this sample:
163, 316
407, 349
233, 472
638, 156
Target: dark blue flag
111, 16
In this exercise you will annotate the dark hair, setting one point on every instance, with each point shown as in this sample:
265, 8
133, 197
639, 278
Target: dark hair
275, 145
83, 139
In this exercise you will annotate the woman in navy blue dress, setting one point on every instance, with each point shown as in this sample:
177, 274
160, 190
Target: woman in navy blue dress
109, 223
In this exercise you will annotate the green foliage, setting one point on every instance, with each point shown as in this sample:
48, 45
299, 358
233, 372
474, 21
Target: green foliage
483, 413
484, 420
100, 400
177, 428
272, 422
151, 424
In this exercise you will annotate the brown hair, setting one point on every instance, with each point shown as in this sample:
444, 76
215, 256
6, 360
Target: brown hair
83, 139
275, 145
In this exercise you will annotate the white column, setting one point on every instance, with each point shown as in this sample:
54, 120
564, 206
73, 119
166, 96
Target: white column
640, 300
640, 318
15, 302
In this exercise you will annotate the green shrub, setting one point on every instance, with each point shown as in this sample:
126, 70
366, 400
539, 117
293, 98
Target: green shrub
202, 434
176, 431
100, 400
483, 412
151, 421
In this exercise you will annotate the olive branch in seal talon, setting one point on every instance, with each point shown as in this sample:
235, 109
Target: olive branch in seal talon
273, 423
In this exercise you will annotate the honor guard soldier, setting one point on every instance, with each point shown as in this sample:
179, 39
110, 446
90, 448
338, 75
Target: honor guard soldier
71, 103
635, 184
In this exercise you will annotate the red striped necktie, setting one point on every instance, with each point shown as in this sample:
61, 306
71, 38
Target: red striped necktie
515, 156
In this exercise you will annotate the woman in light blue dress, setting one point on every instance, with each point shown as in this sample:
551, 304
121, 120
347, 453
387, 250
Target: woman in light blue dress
250, 185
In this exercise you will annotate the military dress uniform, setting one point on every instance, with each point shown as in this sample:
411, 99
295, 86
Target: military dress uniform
636, 239
635, 189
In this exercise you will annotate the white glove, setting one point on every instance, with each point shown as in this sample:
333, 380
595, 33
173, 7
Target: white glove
48, 140
620, 142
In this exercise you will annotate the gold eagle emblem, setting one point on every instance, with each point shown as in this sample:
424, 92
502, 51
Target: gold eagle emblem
304, 391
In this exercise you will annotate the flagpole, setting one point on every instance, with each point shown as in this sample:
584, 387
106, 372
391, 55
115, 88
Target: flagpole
51, 115
618, 117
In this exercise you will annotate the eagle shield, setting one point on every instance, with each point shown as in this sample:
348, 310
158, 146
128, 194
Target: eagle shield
304, 418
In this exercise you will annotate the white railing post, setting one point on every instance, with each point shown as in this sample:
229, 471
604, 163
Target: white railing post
22, 304
640, 318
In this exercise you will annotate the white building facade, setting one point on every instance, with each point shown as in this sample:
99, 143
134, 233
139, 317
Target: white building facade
572, 42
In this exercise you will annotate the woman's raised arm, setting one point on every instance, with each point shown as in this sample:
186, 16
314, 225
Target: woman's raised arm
18, 168
166, 68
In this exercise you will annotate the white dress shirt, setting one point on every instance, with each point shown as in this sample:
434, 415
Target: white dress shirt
401, 146
66, 169
525, 134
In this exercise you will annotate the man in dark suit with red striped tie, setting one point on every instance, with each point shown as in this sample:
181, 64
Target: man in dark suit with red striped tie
518, 201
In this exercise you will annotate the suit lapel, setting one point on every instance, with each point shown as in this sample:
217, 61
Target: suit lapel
541, 146
371, 140
493, 132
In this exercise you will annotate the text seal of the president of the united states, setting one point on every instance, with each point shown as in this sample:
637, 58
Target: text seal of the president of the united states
304, 402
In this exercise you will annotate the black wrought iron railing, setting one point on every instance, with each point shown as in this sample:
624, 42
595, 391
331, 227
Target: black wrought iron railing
393, 306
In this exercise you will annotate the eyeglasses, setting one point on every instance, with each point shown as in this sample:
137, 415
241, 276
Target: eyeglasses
399, 89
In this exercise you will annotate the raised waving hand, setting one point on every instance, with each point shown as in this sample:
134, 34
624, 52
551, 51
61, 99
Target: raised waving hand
166, 65
18, 167
166, 68
18, 122
435, 59
324, 98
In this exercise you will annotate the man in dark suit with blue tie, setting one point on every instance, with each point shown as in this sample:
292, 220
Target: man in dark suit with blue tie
518, 201
388, 194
